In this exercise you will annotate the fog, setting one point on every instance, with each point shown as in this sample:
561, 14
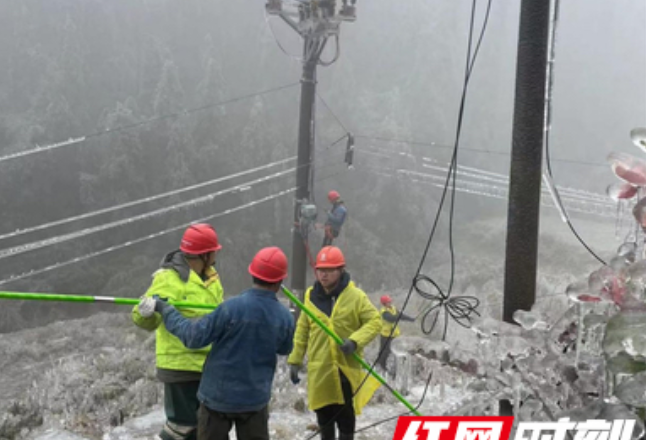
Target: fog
100, 70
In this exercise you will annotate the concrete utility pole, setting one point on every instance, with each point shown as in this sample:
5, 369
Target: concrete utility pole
315, 21
526, 161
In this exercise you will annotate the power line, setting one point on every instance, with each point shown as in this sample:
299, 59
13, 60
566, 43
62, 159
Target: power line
82, 138
338, 120
486, 175
470, 63
599, 198
156, 197
476, 150
496, 192
143, 200
278, 43
17, 250
322, 179
146, 238
548, 125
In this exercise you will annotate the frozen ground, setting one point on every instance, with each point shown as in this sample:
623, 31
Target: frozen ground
284, 423
94, 379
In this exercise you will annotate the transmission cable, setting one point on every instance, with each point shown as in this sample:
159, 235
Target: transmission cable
21, 249
278, 43
485, 175
471, 302
499, 192
469, 66
548, 125
476, 150
241, 187
83, 138
146, 238
142, 200
129, 243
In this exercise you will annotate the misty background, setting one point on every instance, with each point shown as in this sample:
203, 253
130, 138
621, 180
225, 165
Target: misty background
78, 68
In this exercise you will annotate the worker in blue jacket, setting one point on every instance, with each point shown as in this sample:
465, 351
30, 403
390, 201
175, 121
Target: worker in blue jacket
247, 332
335, 218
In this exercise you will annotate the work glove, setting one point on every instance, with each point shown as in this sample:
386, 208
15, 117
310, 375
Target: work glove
160, 303
293, 373
348, 346
147, 307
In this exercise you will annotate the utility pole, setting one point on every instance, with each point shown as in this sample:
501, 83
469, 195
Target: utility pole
315, 21
526, 162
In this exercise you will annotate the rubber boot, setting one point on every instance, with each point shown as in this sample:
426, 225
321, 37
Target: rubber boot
343, 436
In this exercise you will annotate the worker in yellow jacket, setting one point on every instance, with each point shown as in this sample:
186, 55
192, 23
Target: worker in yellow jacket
187, 275
334, 376
390, 328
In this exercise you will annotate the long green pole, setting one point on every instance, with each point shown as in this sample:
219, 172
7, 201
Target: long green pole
339, 341
180, 304
93, 299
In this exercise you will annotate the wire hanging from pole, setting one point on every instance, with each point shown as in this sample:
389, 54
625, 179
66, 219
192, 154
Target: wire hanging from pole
549, 89
468, 70
337, 54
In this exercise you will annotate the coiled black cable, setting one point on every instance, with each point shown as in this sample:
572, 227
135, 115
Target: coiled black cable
451, 176
457, 308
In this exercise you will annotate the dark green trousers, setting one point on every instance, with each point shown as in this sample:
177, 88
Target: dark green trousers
180, 405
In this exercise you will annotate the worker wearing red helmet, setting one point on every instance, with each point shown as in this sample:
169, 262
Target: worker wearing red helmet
247, 333
389, 329
333, 375
186, 274
335, 218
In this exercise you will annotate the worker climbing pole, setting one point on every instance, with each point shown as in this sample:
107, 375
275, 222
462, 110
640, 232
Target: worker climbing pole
317, 22
335, 218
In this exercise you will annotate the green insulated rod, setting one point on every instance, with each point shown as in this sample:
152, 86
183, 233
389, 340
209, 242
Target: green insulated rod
339, 341
93, 299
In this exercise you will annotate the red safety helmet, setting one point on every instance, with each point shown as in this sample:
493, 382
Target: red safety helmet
330, 257
199, 239
386, 299
269, 264
333, 196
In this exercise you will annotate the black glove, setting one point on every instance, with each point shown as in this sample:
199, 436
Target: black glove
293, 373
348, 347
160, 303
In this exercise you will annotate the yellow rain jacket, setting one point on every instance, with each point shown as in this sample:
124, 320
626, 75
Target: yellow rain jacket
386, 327
353, 316
168, 283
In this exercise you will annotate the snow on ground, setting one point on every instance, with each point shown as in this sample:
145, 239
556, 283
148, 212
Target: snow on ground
290, 424
480, 263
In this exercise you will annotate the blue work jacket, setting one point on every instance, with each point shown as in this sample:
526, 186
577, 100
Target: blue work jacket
247, 333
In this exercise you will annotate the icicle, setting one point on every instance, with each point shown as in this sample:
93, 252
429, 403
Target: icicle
517, 386
579, 336
402, 373
619, 219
